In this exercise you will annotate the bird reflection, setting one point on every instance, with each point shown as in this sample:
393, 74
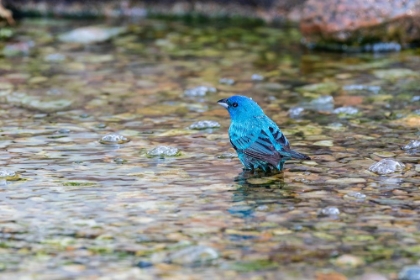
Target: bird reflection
256, 191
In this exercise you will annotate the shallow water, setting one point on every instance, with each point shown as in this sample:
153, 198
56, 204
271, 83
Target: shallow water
90, 209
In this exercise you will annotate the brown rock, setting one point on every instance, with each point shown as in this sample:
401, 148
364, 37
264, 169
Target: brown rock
361, 21
330, 276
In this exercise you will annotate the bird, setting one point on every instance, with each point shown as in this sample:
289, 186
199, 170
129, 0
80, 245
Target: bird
258, 141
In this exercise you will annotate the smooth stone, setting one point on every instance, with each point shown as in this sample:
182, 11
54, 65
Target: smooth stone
111, 139
349, 261
413, 144
386, 166
204, 125
372, 276
199, 91
324, 143
344, 181
193, 255
355, 196
90, 34
346, 110
296, 112
330, 211
163, 151
410, 272
395, 74
384, 154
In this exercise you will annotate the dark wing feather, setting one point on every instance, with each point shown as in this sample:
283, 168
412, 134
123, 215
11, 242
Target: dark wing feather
263, 149
255, 140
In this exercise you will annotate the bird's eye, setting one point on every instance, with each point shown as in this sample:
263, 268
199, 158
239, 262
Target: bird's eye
234, 104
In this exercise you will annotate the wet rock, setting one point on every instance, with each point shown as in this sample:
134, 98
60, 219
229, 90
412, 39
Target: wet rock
321, 88
374, 89
355, 196
330, 211
5, 87
324, 143
295, 112
345, 181
411, 272
63, 131
8, 175
241, 210
372, 276
21, 48
257, 77
113, 139
354, 22
330, 276
45, 103
194, 255
384, 154
55, 57
163, 151
227, 81
396, 74
91, 34
386, 166
413, 144
199, 91
144, 264
348, 261
120, 161
323, 103
6, 33
335, 126
204, 125
227, 156
348, 110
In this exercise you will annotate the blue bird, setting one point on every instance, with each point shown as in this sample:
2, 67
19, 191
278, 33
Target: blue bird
258, 141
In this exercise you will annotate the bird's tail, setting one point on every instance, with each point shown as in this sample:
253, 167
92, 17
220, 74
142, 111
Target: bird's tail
297, 155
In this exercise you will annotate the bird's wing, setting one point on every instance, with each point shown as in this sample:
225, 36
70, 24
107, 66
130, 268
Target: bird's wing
281, 142
255, 139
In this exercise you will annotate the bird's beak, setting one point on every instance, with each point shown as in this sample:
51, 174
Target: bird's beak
223, 102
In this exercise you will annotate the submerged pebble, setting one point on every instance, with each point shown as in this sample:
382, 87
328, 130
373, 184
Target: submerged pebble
348, 110
63, 131
355, 195
330, 211
112, 139
296, 112
413, 144
227, 156
144, 264
90, 34
257, 77
323, 103
204, 125
383, 47
20, 48
193, 255
374, 89
120, 161
227, 81
55, 57
386, 166
162, 151
199, 91
8, 175
410, 272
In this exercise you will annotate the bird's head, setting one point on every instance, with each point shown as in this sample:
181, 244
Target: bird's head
241, 107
